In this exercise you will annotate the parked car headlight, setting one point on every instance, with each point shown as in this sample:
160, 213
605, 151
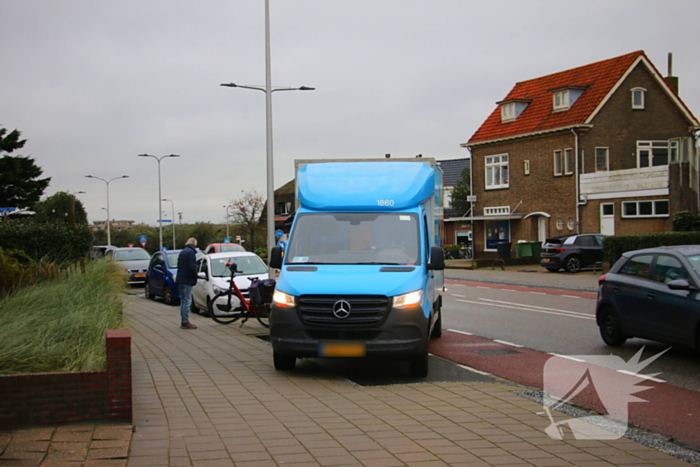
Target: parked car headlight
217, 289
282, 299
408, 300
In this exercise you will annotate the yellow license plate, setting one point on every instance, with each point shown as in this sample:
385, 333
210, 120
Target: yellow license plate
341, 349
139, 275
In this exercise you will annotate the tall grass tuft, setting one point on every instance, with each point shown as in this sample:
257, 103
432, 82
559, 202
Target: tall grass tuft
59, 325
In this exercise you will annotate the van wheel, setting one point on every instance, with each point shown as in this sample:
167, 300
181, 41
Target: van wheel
610, 329
419, 365
283, 362
437, 328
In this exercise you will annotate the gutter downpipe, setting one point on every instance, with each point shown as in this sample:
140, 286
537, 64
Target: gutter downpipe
471, 203
578, 202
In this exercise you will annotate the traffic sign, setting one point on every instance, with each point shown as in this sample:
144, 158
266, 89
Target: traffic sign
282, 244
165, 221
279, 233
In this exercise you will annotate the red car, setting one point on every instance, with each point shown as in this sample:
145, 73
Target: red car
223, 248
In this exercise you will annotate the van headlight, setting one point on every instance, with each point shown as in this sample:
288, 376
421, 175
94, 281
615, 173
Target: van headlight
282, 299
408, 300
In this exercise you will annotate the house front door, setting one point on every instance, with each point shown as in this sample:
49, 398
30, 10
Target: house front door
541, 229
607, 218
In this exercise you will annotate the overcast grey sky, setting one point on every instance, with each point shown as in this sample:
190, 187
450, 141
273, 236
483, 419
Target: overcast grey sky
92, 84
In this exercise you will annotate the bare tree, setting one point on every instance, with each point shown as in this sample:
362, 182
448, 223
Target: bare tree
245, 212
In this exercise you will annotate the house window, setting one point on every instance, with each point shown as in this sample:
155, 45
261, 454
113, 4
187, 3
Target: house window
283, 208
496, 232
447, 198
638, 98
526, 167
561, 100
655, 208
601, 159
558, 163
570, 223
508, 112
654, 153
560, 223
568, 161
496, 171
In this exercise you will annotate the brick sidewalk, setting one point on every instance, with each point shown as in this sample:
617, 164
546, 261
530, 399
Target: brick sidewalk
211, 397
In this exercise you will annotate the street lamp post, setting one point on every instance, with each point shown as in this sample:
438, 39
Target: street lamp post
228, 216
268, 90
109, 223
160, 197
173, 220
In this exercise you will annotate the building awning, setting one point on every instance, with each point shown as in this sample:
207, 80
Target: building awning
506, 217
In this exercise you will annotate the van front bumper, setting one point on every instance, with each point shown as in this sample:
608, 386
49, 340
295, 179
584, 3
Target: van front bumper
402, 334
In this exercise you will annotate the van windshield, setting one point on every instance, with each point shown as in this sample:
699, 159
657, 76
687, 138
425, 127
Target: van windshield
354, 238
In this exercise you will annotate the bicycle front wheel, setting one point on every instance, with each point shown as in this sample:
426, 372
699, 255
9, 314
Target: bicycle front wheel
262, 314
225, 308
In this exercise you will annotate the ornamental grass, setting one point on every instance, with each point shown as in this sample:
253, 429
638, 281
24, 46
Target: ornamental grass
59, 325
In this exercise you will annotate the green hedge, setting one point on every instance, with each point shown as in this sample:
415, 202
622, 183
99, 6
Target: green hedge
615, 245
54, 242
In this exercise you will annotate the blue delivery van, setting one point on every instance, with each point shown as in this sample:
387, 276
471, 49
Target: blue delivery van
362, 273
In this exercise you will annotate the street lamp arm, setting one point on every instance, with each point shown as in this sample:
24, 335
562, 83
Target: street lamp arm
260, 88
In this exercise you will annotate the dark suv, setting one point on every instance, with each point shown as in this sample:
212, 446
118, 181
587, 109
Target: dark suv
572, 252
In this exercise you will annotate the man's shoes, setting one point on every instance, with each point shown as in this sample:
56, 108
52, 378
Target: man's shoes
188, 325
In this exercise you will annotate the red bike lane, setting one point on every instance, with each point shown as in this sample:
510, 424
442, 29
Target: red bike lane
664, 409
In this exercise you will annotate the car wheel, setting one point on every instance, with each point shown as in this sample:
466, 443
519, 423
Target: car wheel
167, 295
210, 309
283, 362
552, 269
610, 328
573, 264
147, 292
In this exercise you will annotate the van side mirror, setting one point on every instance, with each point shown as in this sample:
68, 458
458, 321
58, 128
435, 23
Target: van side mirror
276, 257
437, 259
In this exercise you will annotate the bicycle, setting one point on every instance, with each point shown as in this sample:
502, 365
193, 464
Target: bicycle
245, 308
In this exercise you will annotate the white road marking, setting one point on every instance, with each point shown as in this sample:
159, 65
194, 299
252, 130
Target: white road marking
457, 295
538, 293
461, 332
474, 370
567, 357
641, 376
508, 343
536, 309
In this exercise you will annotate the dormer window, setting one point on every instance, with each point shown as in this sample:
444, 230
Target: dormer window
564, 98
561, 100
508, 112
638, 100
512, 108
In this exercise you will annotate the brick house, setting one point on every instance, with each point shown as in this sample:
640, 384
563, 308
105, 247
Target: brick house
455, 231
607, 147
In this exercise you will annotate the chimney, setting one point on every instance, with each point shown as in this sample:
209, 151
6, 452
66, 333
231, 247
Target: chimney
671, 80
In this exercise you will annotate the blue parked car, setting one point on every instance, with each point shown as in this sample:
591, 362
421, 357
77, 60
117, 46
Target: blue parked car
160, 277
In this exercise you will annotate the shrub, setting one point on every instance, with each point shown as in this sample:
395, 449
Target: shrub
686, 221
19, 270
59, 325
52, 242
615, 245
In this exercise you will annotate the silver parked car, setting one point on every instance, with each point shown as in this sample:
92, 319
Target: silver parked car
133, 260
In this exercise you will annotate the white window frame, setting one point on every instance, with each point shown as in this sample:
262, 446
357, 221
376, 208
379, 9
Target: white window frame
641, 92
508, 112
649, 146
607, 159
526, 167
560, 100
496, 172
558, 163
568, 161
637, 215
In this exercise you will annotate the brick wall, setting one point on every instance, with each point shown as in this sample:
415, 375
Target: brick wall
69, 397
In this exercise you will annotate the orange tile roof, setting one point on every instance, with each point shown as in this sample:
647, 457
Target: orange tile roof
598, 79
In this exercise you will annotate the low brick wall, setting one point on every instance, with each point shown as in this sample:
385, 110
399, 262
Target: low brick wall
69, 397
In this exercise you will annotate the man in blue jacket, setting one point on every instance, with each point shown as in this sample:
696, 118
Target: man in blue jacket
186, 279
